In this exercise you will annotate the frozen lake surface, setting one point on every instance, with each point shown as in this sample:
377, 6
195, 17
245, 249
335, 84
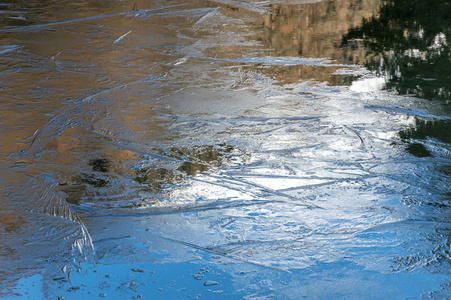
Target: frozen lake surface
220, 149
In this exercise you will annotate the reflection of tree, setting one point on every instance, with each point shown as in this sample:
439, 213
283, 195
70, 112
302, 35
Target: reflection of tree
408, 43
423, 129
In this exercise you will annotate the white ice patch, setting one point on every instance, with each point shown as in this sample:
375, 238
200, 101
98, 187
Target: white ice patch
368, 85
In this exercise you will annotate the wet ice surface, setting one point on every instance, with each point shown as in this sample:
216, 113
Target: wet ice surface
215, 149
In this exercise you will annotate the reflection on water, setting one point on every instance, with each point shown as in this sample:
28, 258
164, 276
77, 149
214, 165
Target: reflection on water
408, 42
238, 135
436, 129
314, 30
437, 134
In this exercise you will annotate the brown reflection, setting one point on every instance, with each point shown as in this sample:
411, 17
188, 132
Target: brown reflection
314, 30
54, 67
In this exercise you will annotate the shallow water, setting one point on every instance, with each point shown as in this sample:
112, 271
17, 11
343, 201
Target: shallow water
225, 149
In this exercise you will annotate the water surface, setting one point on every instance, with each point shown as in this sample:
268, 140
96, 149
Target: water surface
225, 149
